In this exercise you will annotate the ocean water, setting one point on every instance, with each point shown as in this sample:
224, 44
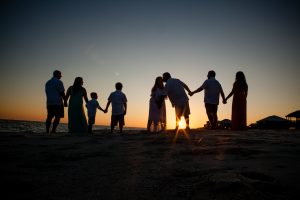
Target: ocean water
17, 126
20, 126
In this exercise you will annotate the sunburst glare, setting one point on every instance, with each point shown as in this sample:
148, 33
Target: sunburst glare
181, 128
181, 123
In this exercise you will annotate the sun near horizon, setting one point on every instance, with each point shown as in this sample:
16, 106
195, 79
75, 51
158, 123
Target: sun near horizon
182, 123
133, 42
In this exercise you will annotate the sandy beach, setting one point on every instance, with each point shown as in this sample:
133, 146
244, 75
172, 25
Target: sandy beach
219, 164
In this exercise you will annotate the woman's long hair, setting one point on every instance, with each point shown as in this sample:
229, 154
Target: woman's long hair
240, 81
77, 84
156, 84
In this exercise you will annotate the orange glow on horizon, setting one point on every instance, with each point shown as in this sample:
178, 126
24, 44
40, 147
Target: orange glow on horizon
136, 116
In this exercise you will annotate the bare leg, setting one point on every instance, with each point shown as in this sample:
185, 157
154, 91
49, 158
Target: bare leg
163, 126
187, 122
55, 124
48, 124
210, 118
215, 120
177, 124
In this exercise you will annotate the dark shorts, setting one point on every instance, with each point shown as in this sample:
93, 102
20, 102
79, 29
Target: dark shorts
183, 110
55, 111
211, 108
115, 119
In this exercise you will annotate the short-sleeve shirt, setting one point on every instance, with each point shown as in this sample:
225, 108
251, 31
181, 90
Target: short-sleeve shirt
176, 93
212, 90
118, 99
92, 106
53, 88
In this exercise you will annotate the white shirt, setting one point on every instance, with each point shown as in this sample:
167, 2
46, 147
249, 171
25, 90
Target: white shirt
118, 99
92, 106
158, 93
176, 93
53, 88
212, 89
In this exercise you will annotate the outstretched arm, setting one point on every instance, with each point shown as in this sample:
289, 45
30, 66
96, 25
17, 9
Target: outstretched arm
187, 88
196, 91
85, 96
230, 94
62, 94
107, 105
223, 97
103, 110
67, 97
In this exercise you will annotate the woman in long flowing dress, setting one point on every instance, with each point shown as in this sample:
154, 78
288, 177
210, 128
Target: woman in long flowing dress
157, 106
77, 121
239, 102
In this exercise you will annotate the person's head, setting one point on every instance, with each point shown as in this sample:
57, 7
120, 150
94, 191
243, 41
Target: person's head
78, 82
119, 86
57, 74
158, 83
166, 76
240, 81
77, 85
94, 95
240, 76
211, 73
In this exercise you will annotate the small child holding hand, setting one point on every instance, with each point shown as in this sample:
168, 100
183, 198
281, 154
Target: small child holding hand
92, 106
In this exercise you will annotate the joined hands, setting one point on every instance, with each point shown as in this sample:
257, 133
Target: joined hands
191, 93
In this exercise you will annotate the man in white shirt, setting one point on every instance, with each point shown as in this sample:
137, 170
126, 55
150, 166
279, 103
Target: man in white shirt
175, 90
119, 107
55, 93
212, 90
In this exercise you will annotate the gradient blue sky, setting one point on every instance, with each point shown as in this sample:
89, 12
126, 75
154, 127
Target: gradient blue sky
134, 41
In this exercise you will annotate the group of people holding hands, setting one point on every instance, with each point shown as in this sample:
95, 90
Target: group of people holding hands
175, 90
77, 124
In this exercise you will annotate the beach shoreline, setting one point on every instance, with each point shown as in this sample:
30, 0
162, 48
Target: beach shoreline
205, 164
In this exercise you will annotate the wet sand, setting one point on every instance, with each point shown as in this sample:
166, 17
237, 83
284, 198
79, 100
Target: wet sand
220, 164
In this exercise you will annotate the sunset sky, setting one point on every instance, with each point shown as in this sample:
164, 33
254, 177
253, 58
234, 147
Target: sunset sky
133, 42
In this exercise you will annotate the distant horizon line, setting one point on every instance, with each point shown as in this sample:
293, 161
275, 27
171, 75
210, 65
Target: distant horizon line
65, 123
27, 120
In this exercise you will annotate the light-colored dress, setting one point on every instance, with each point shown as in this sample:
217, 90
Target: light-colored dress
77, 121
157, 111
239, 109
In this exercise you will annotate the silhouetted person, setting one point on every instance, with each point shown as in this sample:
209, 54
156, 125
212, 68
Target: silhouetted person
175, 90
55, 93
212, 90
92, 107
239, 102
77, 120
119, 107
157, 106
